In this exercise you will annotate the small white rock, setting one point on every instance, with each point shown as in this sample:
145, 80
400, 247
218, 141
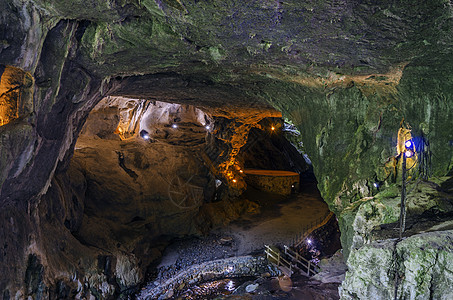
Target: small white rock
251, 288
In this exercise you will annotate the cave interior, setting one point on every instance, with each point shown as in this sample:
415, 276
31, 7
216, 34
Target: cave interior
129, 128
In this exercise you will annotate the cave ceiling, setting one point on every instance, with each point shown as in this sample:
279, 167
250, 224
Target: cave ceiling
199, 49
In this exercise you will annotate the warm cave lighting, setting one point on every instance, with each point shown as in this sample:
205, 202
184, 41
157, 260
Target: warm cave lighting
240, 171
174, 126
234, 180
272, 128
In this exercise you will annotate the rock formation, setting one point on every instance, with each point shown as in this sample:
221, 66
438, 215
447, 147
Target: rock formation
349, 75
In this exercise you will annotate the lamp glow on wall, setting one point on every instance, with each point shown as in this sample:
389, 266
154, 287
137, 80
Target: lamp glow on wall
16, 98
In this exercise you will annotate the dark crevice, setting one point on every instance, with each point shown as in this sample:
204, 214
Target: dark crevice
129, 172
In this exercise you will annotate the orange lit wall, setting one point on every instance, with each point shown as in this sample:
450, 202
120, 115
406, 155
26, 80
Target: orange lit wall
12, 83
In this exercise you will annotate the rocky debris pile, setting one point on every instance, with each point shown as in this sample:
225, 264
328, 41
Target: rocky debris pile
283, 287
187, 252
262, 287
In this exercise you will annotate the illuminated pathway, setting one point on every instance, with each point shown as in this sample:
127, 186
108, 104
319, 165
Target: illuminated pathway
279, 220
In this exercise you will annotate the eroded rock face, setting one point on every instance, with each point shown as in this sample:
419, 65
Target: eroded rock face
416, 268
345, 74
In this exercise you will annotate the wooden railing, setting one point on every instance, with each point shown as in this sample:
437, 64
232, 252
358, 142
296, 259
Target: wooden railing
302, 263
290, 261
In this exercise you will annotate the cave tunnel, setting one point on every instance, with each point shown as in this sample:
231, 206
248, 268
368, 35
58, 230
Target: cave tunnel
172, 149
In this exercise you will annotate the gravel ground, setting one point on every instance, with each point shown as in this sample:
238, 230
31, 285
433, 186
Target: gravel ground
191, 251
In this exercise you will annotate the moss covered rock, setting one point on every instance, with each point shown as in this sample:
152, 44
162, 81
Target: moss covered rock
418, 267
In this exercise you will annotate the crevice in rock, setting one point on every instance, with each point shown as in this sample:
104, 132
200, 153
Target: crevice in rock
121, 163
395, 269
34, 277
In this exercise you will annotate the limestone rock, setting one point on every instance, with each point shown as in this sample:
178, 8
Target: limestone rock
420, 267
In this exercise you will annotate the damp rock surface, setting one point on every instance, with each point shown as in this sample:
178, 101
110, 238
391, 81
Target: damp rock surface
417, 268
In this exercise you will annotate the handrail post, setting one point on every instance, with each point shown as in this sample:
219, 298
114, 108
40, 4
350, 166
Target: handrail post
308, 269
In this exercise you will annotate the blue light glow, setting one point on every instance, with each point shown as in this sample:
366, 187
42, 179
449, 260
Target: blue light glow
408, 144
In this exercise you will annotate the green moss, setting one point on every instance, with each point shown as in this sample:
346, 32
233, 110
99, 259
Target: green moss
152, 7
216, 53
392, 191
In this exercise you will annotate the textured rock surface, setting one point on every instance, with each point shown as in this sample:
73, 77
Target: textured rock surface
273, 181
418, 267
134, 183
345, 73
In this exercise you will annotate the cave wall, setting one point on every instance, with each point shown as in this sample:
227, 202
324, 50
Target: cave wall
350, 133
346, 74
40, 137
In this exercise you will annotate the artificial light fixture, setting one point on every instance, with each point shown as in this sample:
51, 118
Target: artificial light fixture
174, 126
309, 241
409, 148
272, 128
144, 135
230, 285
408, 144
207, 127
240, 171
234, 180
376, 184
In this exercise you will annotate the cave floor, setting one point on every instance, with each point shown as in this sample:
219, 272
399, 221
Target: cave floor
279, 219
